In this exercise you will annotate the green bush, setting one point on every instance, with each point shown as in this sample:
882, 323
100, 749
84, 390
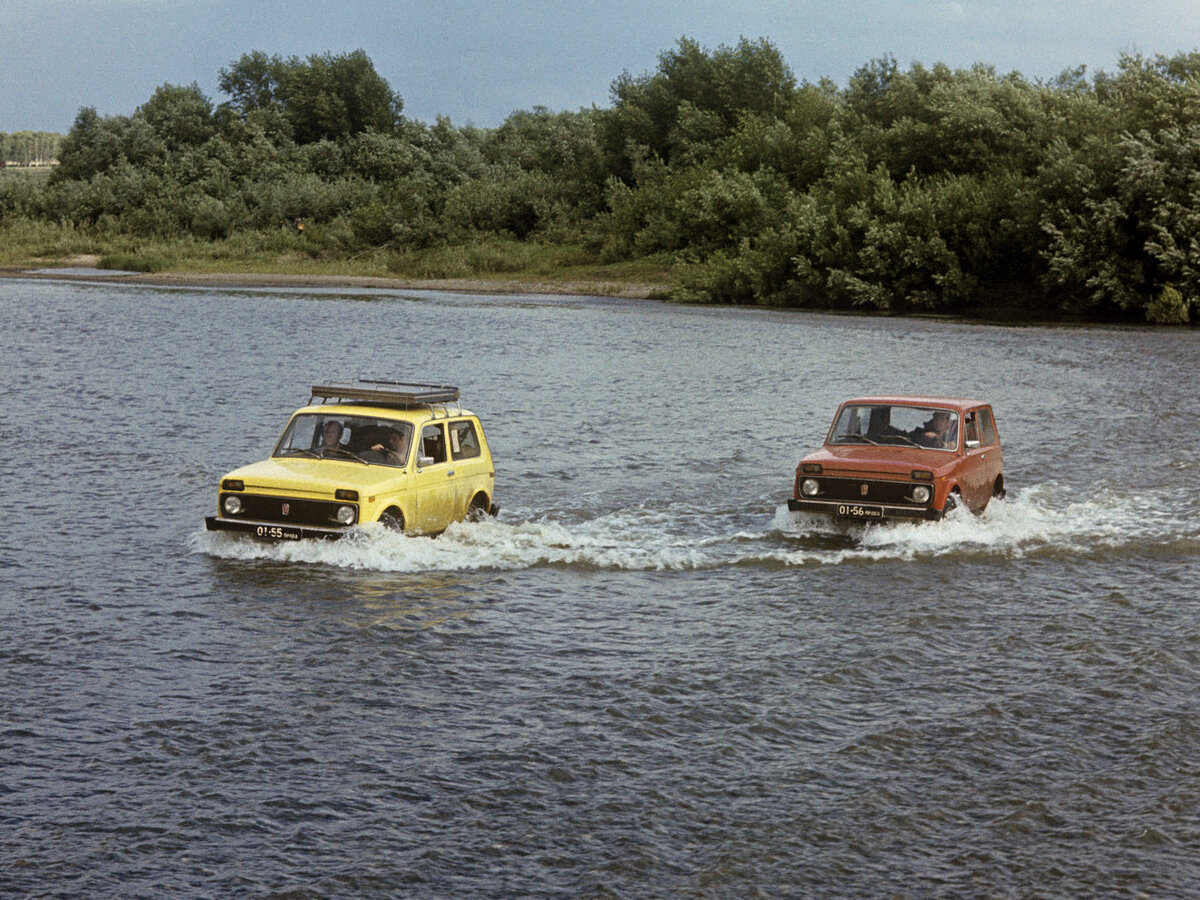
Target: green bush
135, 262
1168, 308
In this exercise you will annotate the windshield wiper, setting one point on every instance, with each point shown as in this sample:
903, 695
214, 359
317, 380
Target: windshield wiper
856, 438
342, 451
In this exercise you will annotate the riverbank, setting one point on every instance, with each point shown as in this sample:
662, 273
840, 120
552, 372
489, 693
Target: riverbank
1002, 307
85, 268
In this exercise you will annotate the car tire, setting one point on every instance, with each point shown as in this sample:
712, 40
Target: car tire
392, 519
478, 509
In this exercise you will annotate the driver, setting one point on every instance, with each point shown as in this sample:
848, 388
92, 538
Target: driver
940, 431
393, 448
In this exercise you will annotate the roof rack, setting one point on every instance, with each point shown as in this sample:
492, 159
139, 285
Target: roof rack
385, 393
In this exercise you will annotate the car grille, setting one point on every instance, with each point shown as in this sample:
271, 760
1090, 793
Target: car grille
851, 489
299, 512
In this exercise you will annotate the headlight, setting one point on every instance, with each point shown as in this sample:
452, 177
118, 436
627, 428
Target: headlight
232, 505
809, 487
346, 515
920, 494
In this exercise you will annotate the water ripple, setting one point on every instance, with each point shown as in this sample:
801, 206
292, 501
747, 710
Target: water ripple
646, 678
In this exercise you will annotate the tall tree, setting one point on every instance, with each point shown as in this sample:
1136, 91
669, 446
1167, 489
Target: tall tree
697, 96
323, 97
180, 116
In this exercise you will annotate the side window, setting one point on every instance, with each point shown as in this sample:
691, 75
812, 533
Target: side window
972, 432
464, 443
433, 443
987, 429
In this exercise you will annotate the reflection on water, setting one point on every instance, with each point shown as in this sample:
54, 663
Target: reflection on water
361, 597
646, 677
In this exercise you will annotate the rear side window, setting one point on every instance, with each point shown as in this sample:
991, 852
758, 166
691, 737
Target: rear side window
464, 443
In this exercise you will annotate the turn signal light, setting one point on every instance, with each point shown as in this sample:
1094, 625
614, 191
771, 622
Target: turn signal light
811, 468
233, 484
345, 494
921, 475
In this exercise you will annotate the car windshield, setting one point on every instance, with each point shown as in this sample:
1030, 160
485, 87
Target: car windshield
366, 439
909, 426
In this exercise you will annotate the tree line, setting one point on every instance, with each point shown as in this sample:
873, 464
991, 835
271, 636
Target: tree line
918, 189
29, 148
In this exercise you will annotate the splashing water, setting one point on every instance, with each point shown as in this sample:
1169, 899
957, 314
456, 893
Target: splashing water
1040, 520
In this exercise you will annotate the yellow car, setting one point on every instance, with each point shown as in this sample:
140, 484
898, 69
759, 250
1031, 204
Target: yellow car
401, 454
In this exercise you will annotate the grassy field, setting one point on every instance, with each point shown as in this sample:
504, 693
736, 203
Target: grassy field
316, 252
37, 244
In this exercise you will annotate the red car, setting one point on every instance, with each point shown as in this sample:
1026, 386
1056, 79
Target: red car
903, 458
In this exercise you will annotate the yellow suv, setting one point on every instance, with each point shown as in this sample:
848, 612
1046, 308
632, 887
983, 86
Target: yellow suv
402, 454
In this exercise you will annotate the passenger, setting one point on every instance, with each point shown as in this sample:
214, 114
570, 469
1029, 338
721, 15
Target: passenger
879, 422
940, 431
393, 449
880, 428
331, 438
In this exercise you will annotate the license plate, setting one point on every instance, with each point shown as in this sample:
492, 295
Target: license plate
853, 511
277, 533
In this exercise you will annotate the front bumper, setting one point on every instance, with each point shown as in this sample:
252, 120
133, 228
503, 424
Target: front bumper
273, 531
864, 512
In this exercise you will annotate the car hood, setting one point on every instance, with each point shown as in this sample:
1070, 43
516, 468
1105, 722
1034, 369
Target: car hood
889, 461
316, 477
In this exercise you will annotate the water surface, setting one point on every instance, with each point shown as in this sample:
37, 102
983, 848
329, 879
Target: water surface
645, 678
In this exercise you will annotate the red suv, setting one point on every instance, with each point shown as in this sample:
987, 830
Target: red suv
903, 457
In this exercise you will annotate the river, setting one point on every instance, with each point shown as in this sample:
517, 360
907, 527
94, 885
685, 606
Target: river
645, 678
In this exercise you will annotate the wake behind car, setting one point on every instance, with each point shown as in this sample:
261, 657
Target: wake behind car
902, 458
402, 454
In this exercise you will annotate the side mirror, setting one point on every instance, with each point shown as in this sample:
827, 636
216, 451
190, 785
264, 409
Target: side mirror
972, 445
424, 460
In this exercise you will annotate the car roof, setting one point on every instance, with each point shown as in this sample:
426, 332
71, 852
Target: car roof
959, 403
414, 414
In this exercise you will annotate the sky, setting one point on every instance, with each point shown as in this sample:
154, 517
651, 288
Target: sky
477, 61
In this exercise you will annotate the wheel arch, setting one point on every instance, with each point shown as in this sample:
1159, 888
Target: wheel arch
393, 512
479, 506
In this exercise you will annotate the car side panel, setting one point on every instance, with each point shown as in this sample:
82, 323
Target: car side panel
433, 497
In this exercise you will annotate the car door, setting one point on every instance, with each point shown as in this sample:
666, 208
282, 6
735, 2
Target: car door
433, 480
989, 440
981, 454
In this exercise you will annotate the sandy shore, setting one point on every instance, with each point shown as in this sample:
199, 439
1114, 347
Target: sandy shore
83, 268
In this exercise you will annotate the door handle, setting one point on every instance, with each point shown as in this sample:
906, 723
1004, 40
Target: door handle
451, 472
